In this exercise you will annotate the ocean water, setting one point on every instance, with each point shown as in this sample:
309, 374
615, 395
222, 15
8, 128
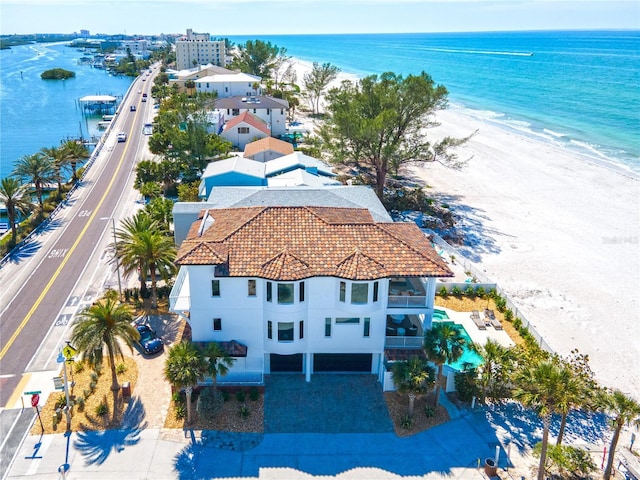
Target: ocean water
576, 89
36, 113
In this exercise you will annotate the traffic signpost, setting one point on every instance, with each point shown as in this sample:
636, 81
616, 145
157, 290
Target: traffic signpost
35, 399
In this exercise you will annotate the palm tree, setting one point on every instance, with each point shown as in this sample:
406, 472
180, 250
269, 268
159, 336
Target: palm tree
15, 196
443, 343
76, 152
539, 386
37, 170
143, 248
625, 411
185, 366
414, 377
59, 159
160, 209
105, 323
497, 365
219, 362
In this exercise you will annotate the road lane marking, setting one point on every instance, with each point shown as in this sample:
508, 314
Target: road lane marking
55, 275
17, 393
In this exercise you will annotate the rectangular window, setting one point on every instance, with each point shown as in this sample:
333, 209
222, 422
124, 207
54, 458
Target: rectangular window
285, 293
343, 291
375, 291
269, 291
367, 326
285, 331
346, 320
301, 292
301, 329
268, 111
269, 329
243, 130
327, 327
236, 112
217, 324
215, 288
359, 293
251, 288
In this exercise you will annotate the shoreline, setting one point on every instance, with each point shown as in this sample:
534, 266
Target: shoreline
558, 231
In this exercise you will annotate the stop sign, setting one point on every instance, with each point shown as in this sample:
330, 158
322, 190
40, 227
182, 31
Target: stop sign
34, 400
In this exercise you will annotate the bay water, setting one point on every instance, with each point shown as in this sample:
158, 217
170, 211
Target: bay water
576, 89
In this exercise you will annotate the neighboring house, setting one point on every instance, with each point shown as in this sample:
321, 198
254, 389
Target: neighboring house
234, 171
306, 289
198, 49
229, 85
290, 170
267, 149
179, 77
357, 196
243, 129
272, 110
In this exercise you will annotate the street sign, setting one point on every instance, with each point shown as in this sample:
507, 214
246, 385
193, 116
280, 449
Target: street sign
68, 352
58, 383
35, 392
34, 400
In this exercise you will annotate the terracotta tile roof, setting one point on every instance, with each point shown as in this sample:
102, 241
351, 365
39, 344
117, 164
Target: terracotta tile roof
292, 243
269, 143
249, 119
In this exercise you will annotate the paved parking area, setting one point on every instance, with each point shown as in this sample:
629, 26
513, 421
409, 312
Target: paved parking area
330, 403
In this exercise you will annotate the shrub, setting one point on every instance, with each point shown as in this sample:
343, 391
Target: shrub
78, 367
480, 293
176, 397
517, 323
225, 395
501, 304
121, 368
466, 385
180, 411
80, 402
240, 395
406, 422
508, 315
93, 376
92, 387
493, 293
102, 409
429, 411
470, 292
443, 292
243, 411
254, 394
61, 401
86, 393
456, 292
209, 404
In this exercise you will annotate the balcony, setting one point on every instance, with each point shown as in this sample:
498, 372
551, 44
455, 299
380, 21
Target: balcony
406, 293
403, 331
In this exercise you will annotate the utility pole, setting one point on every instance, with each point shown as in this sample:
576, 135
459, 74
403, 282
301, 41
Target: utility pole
115, 247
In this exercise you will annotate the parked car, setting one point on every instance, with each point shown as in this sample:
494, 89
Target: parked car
122, 137
149, 341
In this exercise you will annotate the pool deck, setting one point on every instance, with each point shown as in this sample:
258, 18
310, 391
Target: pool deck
477, 335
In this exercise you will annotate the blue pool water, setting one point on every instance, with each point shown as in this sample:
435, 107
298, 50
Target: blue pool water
468, 355
440, 315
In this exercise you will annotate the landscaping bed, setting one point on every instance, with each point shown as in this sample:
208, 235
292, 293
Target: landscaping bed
398, 405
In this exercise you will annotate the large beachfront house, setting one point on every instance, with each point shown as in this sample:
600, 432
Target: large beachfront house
306, 288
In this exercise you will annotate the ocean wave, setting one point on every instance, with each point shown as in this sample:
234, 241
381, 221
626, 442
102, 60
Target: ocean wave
479, 52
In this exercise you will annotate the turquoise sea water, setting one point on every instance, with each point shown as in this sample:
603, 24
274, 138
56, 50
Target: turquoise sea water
578, 89
36, 113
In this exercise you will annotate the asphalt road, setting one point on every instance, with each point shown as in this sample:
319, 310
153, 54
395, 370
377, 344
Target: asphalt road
60, 270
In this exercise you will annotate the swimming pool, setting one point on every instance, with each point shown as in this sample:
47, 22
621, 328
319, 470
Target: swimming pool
468, 355
439, 315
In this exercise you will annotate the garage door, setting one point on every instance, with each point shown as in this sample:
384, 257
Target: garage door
286, 363
342, 362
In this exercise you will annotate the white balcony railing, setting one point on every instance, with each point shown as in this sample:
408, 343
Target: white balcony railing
407, 301
403, 342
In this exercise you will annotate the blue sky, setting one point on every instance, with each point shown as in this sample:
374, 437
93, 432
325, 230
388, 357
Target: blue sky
246, 17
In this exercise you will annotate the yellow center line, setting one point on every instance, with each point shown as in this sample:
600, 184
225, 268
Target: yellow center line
65, 260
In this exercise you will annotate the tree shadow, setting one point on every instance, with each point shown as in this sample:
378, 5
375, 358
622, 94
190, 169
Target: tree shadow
96, 445
24, 251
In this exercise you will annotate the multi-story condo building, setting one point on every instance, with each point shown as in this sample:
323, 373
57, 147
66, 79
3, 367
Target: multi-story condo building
198, 49
306, 289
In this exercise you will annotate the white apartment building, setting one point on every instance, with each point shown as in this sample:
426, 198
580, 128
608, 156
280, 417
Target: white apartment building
306, 289
198, 49
230, 85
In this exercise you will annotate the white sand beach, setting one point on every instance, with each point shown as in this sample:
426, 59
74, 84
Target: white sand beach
560, 234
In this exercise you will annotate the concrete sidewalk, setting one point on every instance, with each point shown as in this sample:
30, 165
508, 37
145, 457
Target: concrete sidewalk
452, 450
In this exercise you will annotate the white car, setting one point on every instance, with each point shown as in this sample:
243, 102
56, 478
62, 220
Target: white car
122, 137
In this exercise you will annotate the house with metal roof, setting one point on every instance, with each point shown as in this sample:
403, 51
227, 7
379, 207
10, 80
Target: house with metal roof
306, 289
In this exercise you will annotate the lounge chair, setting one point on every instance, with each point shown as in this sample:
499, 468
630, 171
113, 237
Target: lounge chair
475, 316
492, 320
